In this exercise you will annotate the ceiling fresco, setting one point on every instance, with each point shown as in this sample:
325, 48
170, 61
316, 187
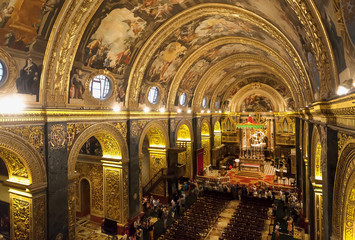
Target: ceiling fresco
256, 81
21, 21
256, 103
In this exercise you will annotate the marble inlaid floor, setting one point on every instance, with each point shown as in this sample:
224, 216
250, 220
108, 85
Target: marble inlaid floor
86, 229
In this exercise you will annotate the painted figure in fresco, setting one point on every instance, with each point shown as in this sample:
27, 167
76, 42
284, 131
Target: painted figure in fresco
28, 82
76, 87
5, 14
121, 92
48, 8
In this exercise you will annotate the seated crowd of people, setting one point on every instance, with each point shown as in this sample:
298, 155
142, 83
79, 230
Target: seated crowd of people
248, 221
199, 218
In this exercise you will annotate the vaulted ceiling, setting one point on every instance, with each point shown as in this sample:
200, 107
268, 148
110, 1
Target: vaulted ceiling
288, 52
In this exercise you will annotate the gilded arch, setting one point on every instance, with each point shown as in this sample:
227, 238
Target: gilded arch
344, 186
183, 129
189, 125
107, 134
316, 155
24, 154
154, 124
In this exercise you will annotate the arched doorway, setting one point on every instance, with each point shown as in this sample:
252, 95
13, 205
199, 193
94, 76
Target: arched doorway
85, 198
24, 179
317, 183
217, 134
183, 139
153, 142
99, 155
205, 143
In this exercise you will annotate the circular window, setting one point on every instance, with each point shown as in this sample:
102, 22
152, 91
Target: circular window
217, 104
100, 87
153, 95
204, 102
183, 99
3, 72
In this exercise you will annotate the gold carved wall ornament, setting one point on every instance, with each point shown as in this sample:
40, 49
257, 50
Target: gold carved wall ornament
33, 134
20, 208
57, 137
134, 128
14, 164
94, 173
23, 158
157, 135
74, 130
320, 44
113, 194
122, 127
343, 139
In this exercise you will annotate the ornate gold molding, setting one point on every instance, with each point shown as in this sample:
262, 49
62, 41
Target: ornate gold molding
113, 194
320, 45
10, 81
30, 160
344, 171
20, 221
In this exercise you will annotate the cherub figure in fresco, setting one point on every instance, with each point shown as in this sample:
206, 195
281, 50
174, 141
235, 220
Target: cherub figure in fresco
161, 9
5, 14
136, 25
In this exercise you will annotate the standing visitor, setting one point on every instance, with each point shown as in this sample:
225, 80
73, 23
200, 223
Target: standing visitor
277, 231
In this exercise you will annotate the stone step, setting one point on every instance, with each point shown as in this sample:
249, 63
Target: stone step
250, 174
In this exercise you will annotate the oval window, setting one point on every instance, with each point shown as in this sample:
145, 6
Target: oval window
217, 104
153, 95
3, 72
100, 87
204, 102
183, 99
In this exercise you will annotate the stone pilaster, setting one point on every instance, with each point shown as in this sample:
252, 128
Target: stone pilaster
134, 168
196, 125
57, 174
329, 168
